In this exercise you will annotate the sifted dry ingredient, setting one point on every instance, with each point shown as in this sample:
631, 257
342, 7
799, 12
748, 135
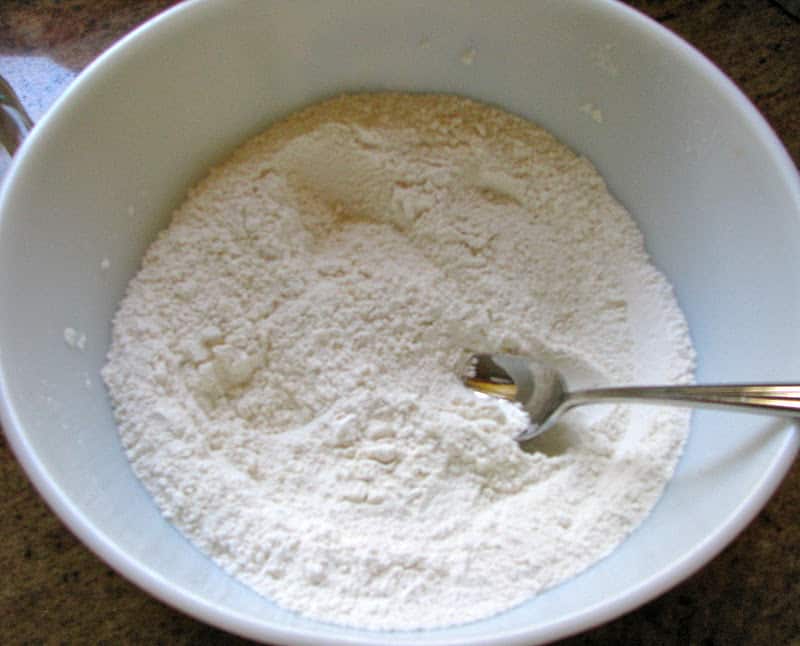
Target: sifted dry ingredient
282, 367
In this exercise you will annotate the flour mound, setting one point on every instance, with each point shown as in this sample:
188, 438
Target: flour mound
282, 367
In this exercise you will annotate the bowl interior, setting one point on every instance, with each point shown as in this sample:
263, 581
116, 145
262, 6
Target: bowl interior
712, 189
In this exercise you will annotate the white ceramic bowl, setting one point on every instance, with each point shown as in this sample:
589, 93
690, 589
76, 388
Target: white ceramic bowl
713, 190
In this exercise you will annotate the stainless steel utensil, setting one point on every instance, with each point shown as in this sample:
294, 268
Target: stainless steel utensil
541, 390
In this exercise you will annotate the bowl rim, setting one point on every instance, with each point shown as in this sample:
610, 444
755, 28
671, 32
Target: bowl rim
237, 623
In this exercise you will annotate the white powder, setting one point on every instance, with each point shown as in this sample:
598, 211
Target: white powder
468, 57
282, 367
602, 57
591, 110
74, 339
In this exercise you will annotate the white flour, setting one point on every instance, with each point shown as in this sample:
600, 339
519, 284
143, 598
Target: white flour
282, 367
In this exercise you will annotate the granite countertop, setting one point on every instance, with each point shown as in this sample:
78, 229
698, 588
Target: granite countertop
55, 591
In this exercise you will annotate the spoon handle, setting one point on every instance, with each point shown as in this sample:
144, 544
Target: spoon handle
775, 399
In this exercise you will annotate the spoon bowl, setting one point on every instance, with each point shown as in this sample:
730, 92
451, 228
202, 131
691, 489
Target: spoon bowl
539, 387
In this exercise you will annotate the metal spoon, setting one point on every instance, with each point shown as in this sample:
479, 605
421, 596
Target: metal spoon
543, 394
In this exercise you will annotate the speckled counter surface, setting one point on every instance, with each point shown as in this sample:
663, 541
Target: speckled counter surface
53, 590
